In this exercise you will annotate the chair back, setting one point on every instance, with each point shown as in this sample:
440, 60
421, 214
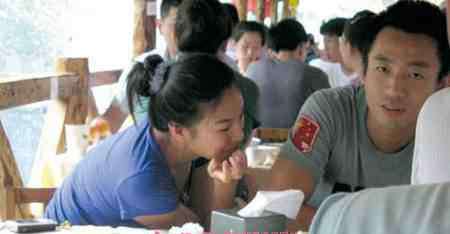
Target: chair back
18, 195
272, 134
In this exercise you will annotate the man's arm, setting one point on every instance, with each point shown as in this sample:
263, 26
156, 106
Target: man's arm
178, 217
288, 175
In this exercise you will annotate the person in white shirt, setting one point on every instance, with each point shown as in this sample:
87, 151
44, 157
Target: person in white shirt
353, 41
118, 110
431, 163
332, 65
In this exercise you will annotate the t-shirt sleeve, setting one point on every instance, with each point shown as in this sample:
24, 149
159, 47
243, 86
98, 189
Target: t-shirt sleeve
146, 193
310, 140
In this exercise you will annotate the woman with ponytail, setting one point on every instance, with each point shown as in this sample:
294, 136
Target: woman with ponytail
132, 177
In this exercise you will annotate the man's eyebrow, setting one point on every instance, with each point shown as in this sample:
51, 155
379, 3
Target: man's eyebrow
421, 64
382, 58
221, 121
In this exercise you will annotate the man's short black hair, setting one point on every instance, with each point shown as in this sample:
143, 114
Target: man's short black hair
166, 5
201, 26
417, 17
333, 27
357, 29
288, 34
249, 26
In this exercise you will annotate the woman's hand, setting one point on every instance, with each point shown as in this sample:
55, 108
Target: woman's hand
232, 168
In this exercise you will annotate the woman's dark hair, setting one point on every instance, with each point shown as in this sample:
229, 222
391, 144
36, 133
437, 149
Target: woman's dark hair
201, 26
357, 29
176, 90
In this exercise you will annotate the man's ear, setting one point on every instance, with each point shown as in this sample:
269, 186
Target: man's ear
302, 51
177, 131
444, 82
158, 24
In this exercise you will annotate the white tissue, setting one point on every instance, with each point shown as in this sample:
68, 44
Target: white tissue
191, 228
286, 202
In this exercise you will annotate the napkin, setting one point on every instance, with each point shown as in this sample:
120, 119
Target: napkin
287, 202
187, 228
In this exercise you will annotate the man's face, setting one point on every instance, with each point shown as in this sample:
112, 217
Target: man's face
167, 28
331, 43
249, 47
402, 72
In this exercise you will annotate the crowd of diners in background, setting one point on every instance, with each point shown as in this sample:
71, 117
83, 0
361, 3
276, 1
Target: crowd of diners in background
368, 117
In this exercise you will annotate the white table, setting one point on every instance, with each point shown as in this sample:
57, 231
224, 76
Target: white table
94, 230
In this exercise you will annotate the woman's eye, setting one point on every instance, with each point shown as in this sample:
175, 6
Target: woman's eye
224, 129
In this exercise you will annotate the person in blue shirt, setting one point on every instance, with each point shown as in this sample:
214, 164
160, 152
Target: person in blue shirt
130, 178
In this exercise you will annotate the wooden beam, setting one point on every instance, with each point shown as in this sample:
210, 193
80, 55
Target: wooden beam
242, 9
22, 90
144, 33
78, 103
17, 90
272, 134
260, 10
104, 78
9, 175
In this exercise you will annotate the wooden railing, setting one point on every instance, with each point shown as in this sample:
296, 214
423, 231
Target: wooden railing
70, 102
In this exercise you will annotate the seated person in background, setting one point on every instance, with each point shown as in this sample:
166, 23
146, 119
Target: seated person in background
354, 40
285, 81
249, 38
431, 163
118, 109
311, 48
131, 178
228, 49
233, 20
338, 73
351, 138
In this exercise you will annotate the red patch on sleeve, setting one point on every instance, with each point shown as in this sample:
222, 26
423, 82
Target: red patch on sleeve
305, 133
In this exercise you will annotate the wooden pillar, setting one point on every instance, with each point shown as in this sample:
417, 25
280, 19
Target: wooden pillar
77, 111
9, 176
260, 10
286, 12
274, 13
242, 9
61, 111
144, 26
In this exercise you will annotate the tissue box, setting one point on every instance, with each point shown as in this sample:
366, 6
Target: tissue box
228, 221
